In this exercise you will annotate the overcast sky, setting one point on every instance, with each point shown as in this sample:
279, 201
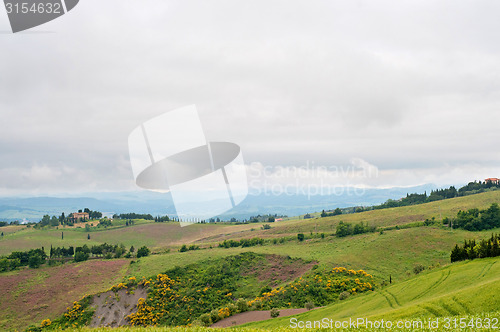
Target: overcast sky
410, 89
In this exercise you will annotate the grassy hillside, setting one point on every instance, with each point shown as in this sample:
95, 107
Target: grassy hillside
31, 295
469, 287
285, 328
155, 235
393, 253
163, 235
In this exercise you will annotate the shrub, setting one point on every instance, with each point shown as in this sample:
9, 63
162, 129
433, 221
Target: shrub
300, 237
214, 316
309, 306
242, 305
257, 304
35, 261
233, 309
344, 295
184, 248
274, 313
205, 320
265, 289
4, 264
33, 328
418, 268
143, 252
53, 262
81, 256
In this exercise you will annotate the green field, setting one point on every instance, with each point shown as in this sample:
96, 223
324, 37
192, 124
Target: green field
441, 290
454, 322
392, 253
462, 288
170, 235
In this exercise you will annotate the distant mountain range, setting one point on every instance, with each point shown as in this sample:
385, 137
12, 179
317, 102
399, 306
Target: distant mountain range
33, 208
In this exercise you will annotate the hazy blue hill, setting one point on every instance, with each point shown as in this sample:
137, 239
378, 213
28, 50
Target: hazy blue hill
33, 208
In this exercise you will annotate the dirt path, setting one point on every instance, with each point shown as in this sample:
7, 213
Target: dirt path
254, 316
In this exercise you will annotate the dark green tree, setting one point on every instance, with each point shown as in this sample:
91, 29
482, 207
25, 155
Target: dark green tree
343, 229
81, 256
143, 251
35, 261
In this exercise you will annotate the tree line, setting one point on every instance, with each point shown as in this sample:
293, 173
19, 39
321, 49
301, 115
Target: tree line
34, 258
439, 194
241, 243
162, 218
103, 250
132, 215
345, 229
475, 219
415, 198
335, 212
473, 250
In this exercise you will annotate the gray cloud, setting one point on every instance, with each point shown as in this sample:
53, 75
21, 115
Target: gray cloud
409, 87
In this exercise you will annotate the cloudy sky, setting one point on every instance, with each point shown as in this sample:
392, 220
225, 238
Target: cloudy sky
409, 90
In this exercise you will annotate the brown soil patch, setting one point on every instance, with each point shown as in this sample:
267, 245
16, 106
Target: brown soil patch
31, 295
254, 316
279, 269
112, 308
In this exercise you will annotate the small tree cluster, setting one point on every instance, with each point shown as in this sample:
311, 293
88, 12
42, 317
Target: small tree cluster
143, 252
478, 220
473, 250
162, 219
32, 258
241, 243
335, 212
134, 216
185, 248
345, 229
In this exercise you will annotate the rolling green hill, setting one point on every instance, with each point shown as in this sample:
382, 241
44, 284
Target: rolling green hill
391, 253
462, 288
